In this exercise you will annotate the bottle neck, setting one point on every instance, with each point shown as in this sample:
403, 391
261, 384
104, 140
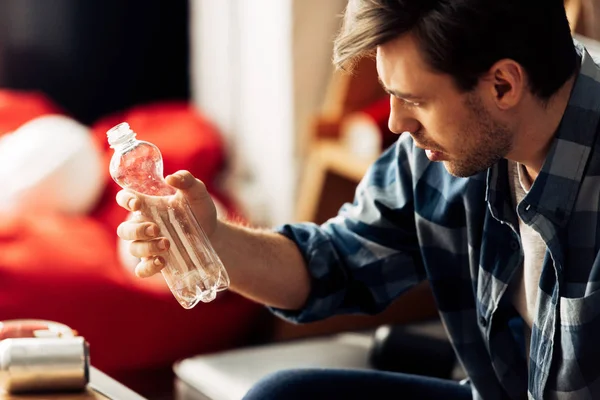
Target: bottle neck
123, 146
121, 138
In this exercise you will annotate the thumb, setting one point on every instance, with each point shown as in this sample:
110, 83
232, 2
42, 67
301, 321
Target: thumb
194, 189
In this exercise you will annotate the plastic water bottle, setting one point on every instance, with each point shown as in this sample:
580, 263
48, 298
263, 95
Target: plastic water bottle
193, 270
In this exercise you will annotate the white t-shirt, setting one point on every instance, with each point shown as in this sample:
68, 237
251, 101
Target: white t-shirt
524, 287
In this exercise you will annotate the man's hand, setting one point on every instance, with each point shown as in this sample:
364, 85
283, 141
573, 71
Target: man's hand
146, 242
262, 265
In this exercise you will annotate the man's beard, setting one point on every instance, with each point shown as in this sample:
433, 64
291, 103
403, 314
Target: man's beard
485, 141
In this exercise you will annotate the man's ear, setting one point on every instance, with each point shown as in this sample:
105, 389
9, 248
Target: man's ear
506, 82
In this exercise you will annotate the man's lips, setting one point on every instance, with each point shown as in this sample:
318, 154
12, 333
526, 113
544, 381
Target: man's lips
428, 148
434, 155
430, 151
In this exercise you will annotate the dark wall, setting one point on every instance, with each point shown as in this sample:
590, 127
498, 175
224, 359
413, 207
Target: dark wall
94, 57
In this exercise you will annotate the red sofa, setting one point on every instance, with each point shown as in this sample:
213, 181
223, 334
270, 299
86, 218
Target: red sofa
67, 268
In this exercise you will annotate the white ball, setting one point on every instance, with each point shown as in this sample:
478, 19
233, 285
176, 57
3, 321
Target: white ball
50, 164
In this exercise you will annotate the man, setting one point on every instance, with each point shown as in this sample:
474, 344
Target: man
493, 196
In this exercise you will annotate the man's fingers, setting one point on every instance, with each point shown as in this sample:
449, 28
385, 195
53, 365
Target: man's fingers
149, 266
148, 248
194, 189
130, 230
181, 180
185, 181
128, 200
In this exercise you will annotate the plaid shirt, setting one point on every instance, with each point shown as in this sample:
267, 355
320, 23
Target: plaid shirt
411, 220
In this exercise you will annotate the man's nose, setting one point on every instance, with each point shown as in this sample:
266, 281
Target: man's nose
401, 120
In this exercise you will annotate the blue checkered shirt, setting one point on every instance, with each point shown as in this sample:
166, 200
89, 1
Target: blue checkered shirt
411, 220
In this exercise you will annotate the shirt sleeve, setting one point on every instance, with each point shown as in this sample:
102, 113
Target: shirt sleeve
366, 256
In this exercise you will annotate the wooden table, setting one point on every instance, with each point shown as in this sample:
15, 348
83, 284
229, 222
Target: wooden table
101, 387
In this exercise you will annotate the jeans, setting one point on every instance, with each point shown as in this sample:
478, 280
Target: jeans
328, 384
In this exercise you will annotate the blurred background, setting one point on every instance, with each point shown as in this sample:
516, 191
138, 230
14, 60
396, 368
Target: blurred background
256, 69
240, 92
94, 58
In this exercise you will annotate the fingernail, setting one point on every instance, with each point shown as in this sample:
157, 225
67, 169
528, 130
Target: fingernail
151, 231
131, 203
162, 245
157, 261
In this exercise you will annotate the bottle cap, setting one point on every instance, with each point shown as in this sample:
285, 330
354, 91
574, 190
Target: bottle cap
118, 133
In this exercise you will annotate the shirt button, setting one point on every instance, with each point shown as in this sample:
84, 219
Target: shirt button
514, 245
482, 321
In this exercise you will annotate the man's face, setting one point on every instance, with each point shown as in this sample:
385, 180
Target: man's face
454, 127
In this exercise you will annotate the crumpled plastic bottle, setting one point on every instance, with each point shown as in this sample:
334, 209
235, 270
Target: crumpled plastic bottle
193, 270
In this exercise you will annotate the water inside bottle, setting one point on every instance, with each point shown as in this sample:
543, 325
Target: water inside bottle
141, 170
188, 292
188, 283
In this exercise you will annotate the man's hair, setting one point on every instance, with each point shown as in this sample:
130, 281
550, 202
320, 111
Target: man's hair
464, 38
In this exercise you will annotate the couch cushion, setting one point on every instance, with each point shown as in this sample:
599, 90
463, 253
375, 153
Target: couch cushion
19, 106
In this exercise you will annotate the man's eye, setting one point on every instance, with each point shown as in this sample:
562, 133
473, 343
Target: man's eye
410, 103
